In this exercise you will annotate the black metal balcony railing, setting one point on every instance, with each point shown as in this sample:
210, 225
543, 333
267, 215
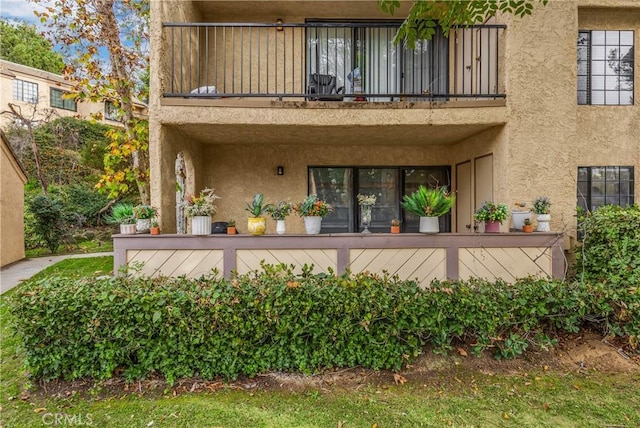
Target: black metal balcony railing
329, 61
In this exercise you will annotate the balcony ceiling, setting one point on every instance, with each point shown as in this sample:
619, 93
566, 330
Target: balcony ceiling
406, 135
266, 11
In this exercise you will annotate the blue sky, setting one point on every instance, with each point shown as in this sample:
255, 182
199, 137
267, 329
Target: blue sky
20, 10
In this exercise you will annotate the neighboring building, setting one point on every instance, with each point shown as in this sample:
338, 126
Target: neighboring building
41, 93
508, 111
11, 205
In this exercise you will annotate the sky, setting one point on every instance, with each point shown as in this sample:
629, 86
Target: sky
19, 10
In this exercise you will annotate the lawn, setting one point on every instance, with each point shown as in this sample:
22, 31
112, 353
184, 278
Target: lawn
438, 391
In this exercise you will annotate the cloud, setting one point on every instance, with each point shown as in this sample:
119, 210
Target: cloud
19, 10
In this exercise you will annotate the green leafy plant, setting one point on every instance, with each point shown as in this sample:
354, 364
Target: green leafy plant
48, 224
427, 202
395, 222
144, 211
490, 211
231, 223
312, 206
527, 222
121, 213
541, 205
280, 210
257, 207
201, 205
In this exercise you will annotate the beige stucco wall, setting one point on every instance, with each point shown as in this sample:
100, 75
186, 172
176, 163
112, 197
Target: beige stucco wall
11, 207
538, 139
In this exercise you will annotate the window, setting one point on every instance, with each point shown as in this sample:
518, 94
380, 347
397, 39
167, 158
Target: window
111, 112
25, 91
340, 186
605, 67
365, 59
604, 185
58, 100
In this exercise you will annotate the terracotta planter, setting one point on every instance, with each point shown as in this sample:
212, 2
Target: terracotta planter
395, 229
231, 230
154, 230
257, 225
527, 228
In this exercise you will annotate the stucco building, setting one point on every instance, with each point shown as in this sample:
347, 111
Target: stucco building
40, 95
506, 111
11, 205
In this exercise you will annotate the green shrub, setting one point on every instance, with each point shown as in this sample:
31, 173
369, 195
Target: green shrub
48, 225
276, 320
610, 248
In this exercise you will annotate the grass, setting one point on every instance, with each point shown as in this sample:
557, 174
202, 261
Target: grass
456, 396
93, 246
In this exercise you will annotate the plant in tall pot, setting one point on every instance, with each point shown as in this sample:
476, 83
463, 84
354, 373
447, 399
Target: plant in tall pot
200, 209
143, 215
256, 223
279, 212
122, 214
312, 210
492, 215
429, 204
366, 202
541, 208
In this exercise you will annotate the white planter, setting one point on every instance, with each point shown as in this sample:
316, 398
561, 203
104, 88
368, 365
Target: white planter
143, 224
543, 222
128, 229
429, 225
313, 225
281, 227
201, 225
519, 217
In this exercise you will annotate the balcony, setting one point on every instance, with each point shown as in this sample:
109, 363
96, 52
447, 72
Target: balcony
330, 62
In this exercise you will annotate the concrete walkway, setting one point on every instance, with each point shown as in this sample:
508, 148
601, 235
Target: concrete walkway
15, 273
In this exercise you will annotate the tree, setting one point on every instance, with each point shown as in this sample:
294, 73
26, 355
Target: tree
105, 42
425, 15
22, 44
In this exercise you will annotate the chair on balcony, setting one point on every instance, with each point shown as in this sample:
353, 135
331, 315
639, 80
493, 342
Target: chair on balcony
324, 85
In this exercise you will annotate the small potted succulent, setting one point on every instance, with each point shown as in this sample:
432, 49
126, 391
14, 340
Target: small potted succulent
527, 227
395, 226
154, 229
541, 208
256, 223
279, 212
492, 215
231, 227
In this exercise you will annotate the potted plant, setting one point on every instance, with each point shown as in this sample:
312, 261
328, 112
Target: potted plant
312, 210
527, 227
231, 227
200, 209
122, 214
143, 214
257, 224
541, 208
519, 215
395, 226
366, 202
279, 212
154, 229
492, 215
429, 204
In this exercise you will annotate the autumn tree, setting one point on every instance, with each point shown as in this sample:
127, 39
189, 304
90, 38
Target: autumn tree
426, 15
23, 44
105, 43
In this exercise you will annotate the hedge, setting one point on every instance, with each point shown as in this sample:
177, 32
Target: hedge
278, 320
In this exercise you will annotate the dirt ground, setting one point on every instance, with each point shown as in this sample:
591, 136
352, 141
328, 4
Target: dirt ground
575, 354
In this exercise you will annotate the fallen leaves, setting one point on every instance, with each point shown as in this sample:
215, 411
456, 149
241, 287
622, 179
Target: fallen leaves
399, 379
